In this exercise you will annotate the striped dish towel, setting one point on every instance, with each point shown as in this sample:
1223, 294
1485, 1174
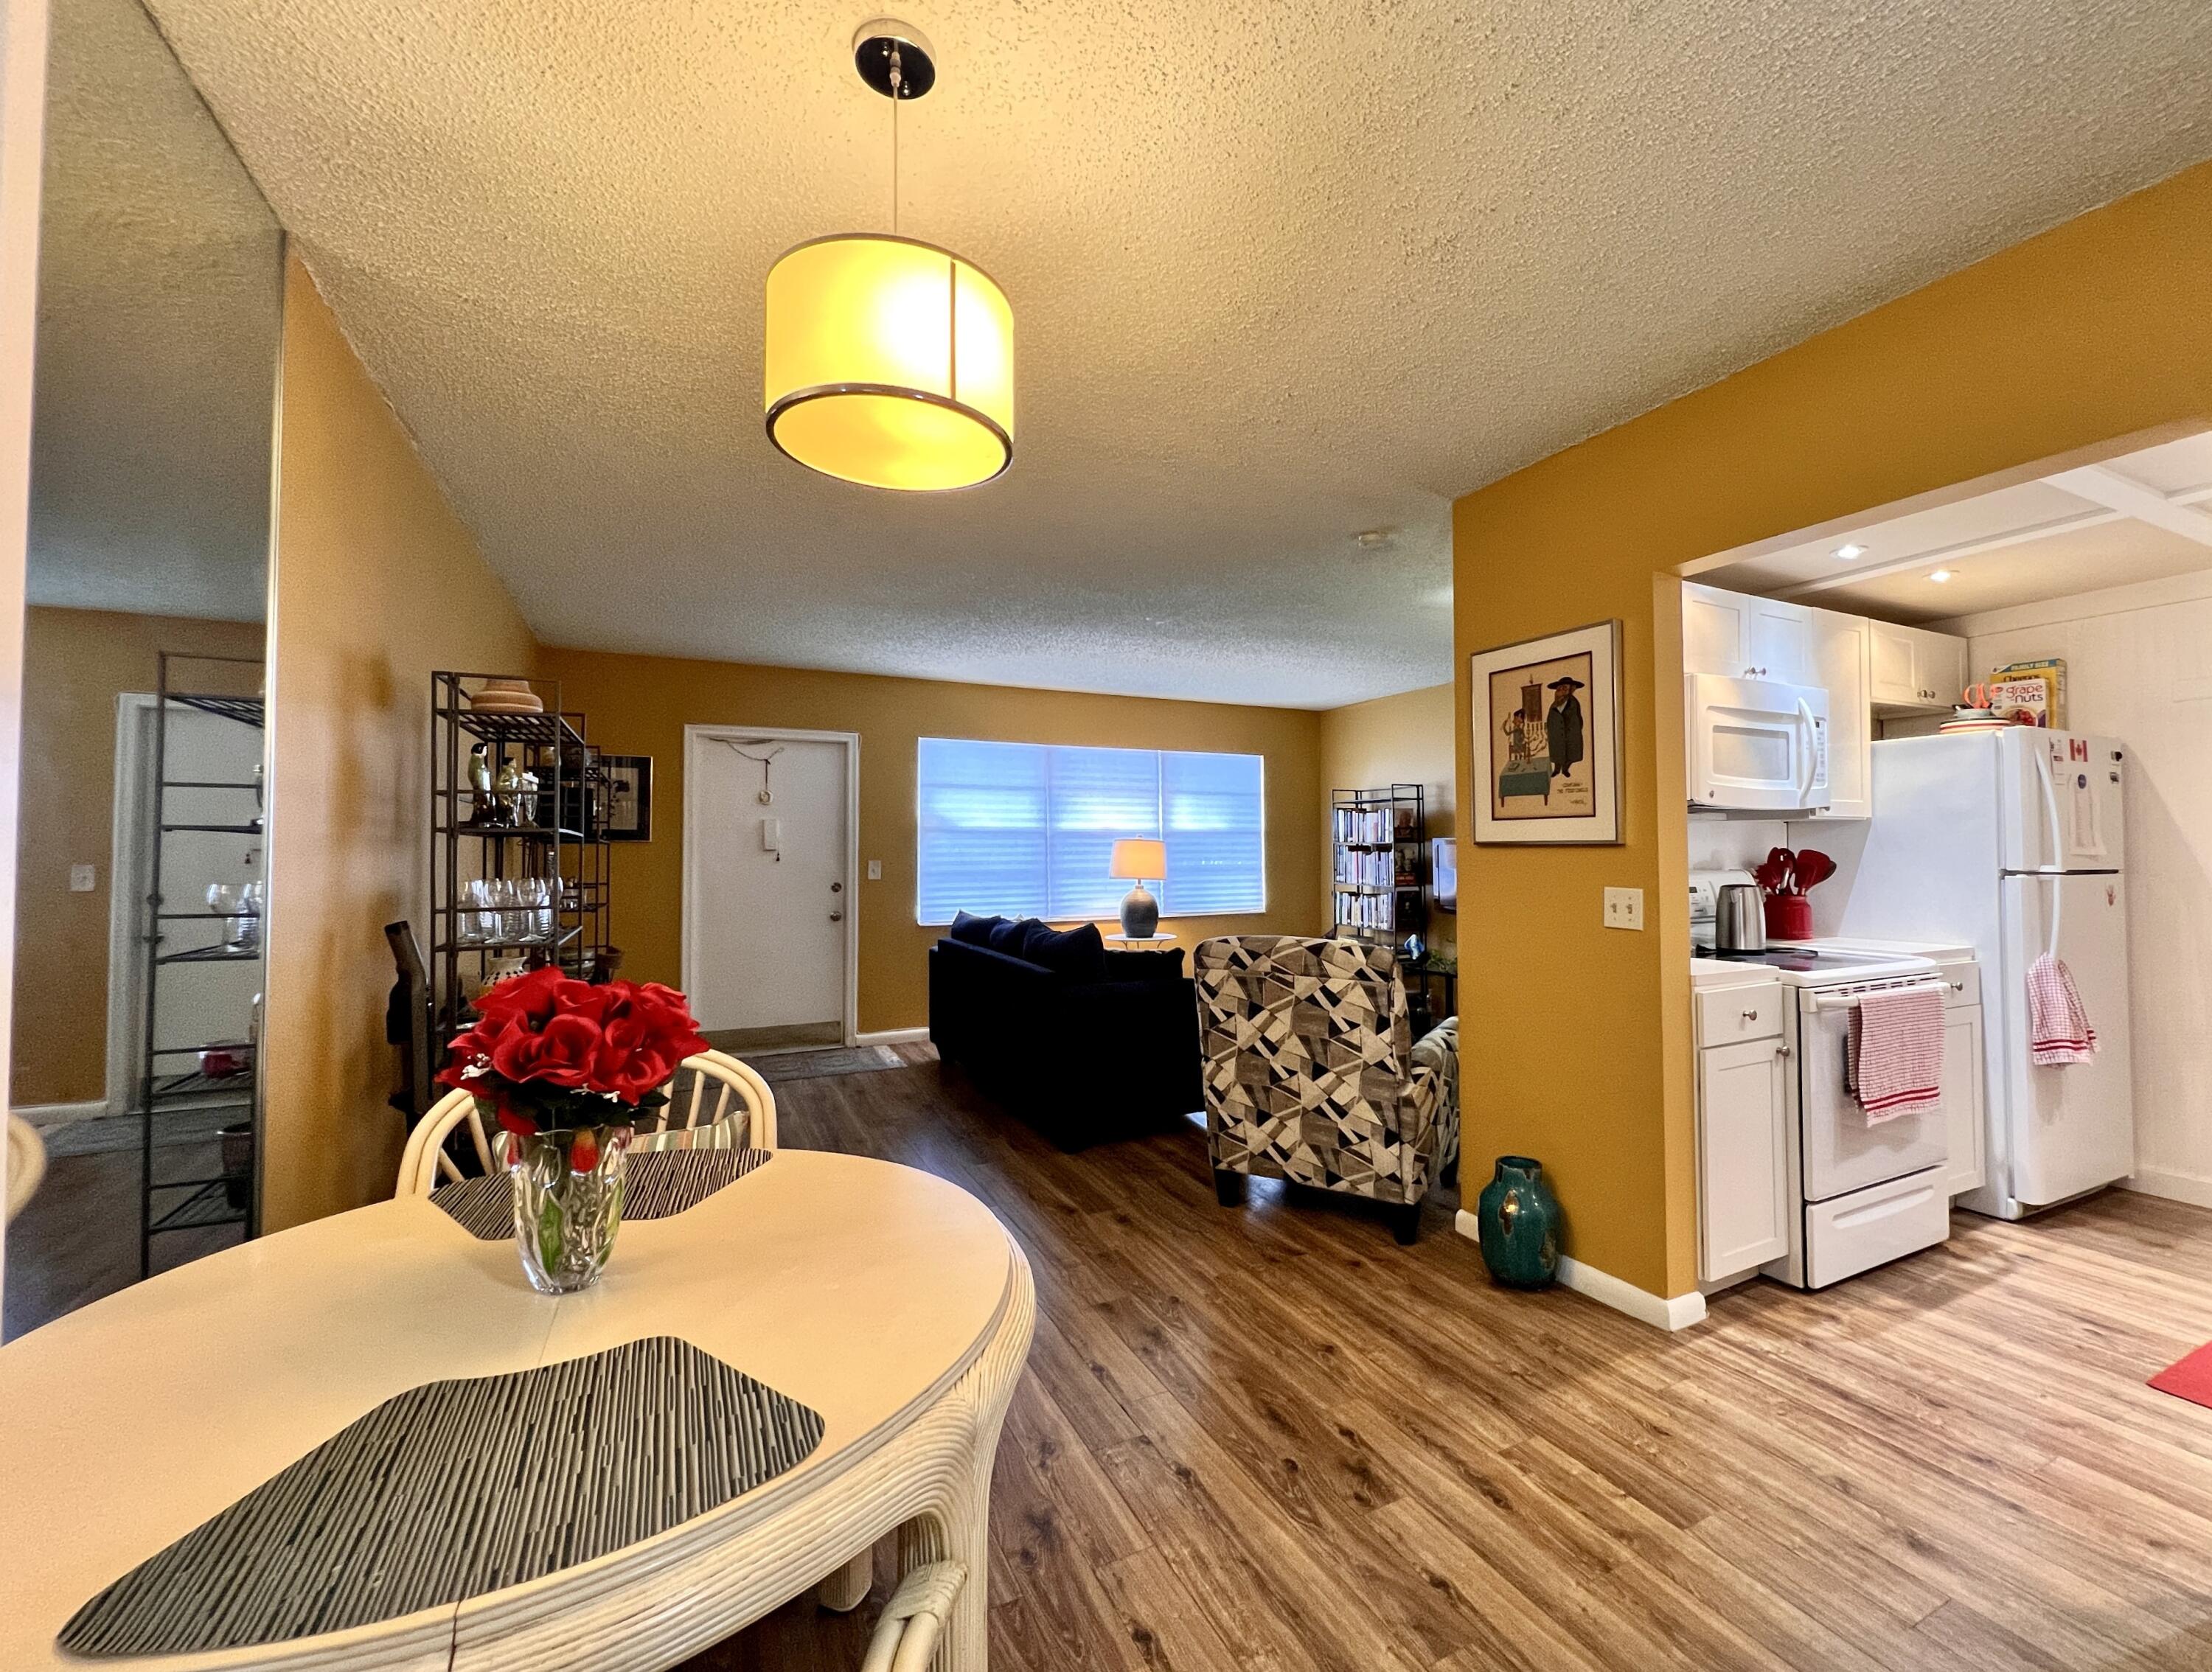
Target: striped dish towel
1897, 1052
2059, 1031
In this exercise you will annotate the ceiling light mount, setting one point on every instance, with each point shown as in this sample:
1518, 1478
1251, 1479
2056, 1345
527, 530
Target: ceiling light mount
1850, 551
894, 58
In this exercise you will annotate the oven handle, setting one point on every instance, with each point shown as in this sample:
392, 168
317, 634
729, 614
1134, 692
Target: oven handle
1821, 1003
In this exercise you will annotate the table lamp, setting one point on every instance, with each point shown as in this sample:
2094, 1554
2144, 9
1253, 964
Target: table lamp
1137, 859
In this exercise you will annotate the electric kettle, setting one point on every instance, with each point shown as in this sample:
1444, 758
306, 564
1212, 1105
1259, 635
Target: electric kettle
1739, 919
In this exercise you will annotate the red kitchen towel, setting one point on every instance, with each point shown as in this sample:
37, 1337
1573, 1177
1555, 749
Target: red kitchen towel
1897, 1052
2059, 1031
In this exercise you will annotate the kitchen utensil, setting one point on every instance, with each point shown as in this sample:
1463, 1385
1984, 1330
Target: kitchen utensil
1813, 868
1739, 924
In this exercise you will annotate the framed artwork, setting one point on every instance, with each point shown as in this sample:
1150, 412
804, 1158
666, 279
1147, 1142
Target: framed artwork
628, 810
1547, 738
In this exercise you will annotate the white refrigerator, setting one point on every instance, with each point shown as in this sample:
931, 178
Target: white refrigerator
2012, 840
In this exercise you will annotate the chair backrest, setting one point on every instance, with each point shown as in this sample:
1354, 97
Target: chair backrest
706, 1099
27, 1163
424, 1164
1288, 1024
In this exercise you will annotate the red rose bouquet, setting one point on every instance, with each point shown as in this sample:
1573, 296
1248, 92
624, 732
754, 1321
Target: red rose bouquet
553, 1054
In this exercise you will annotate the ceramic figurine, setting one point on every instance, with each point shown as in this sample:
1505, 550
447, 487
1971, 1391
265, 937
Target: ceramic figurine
480, 785
1518, 1220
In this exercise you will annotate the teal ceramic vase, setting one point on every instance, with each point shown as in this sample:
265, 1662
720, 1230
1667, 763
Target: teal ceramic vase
1518, 1217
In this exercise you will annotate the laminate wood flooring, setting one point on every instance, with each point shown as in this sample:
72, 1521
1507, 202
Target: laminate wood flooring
1271, 1440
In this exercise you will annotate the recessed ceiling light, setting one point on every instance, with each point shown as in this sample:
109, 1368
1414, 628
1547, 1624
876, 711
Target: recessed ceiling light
1940, 576
1843, 553
1371, 539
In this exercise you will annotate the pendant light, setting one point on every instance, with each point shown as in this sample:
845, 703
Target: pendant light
890, 361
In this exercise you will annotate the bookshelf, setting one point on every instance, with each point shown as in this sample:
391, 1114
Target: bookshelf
1380, 851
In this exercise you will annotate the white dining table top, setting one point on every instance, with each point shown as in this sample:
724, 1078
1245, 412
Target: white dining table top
860, 1288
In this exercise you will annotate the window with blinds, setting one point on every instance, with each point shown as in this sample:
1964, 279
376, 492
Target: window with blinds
1027, 828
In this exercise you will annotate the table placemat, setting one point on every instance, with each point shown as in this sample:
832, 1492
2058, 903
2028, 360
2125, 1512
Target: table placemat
456, 1489
656, 1183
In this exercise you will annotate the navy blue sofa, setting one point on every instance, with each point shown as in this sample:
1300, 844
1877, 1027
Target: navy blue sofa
1084, 1043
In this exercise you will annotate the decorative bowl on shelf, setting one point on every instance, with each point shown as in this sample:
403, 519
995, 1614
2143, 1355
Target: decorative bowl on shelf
507, 697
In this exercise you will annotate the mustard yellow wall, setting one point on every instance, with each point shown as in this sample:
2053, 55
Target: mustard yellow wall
377, 584
639, 705
2099, 329
1403, 739
76, 663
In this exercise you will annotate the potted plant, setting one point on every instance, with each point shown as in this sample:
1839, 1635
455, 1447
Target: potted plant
564, 1067
1783, 877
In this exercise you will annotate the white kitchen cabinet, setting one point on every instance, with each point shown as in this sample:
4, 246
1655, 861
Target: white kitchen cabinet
1910, 667
1839, 663
1741, 637
1965, 1101
1716, 632
1782, 643
1743, 1162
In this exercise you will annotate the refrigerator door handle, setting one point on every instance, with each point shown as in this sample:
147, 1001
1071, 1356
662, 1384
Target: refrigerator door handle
2048, 781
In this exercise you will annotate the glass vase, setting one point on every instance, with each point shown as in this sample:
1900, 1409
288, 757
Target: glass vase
567, 1204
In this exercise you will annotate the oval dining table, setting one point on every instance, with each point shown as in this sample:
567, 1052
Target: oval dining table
889, 1301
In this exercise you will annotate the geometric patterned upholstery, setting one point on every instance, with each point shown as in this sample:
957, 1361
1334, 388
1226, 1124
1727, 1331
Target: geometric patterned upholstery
1308, 1068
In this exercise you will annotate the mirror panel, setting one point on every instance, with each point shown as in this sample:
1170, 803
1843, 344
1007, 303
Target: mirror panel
140, 904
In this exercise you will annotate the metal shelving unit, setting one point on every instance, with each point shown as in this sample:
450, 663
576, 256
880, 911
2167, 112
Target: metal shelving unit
172, 1083
554, 832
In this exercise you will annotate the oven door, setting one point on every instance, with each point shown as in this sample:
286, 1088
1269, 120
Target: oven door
1841, 1152
1756, 745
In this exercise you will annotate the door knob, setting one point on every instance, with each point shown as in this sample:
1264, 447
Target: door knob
836, 916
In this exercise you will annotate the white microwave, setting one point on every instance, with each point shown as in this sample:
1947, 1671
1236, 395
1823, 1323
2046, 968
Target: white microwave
1754, 745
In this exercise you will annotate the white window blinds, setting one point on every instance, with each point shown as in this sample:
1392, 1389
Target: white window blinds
1027, 828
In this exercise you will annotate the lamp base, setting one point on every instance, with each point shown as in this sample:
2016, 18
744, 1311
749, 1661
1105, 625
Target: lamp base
1141, 915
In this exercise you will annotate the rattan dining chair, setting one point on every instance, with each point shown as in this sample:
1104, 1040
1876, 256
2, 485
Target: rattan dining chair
424, 1159
715, 1102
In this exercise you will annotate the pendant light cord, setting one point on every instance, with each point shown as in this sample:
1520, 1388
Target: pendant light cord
896, 81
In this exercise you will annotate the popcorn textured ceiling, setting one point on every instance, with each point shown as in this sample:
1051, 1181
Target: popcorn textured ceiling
1280, 273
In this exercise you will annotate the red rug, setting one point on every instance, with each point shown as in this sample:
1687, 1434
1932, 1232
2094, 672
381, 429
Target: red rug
2190, 1379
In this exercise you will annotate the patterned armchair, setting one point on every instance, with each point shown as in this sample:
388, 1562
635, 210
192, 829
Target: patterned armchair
1309, 1074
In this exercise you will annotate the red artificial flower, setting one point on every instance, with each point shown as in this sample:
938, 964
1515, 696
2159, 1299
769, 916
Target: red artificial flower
546, 1045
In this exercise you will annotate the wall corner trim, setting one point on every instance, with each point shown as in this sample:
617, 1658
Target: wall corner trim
1603, 1287
892, 1036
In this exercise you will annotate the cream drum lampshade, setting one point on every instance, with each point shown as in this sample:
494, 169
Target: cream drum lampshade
889, 362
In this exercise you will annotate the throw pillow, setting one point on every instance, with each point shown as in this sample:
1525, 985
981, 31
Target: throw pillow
971, 930
1006, 936
1078, 954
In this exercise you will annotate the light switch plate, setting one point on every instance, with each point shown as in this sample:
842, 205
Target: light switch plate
1624, 908
81, 880
875, 871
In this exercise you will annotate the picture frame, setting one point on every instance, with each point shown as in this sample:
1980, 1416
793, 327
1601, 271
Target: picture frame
626, 809
1549, 777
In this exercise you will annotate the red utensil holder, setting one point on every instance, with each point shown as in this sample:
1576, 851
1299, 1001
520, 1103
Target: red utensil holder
1788, 917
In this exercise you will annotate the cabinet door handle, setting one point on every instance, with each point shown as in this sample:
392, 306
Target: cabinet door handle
1751, 1016
1784, 1051
1958, 986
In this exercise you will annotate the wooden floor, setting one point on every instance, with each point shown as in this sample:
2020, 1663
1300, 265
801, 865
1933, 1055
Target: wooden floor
1271, 1440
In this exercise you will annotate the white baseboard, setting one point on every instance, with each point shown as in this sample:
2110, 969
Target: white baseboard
1603, 1287
59, 1114
892, 1036
2174, 1187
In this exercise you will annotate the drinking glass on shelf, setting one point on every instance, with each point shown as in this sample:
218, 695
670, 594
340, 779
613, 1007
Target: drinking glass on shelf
474, 926
540, 889
246, 927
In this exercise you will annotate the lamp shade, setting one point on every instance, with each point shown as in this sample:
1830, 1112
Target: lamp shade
889, 362
1139, 859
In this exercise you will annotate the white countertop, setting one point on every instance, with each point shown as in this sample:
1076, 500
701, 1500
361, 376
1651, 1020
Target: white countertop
1911, 958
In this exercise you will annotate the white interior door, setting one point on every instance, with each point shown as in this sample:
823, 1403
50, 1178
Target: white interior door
768, 902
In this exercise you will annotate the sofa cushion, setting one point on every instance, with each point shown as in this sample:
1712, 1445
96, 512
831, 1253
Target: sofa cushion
1163, 964
971, 930
1078, 954
1008, 934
